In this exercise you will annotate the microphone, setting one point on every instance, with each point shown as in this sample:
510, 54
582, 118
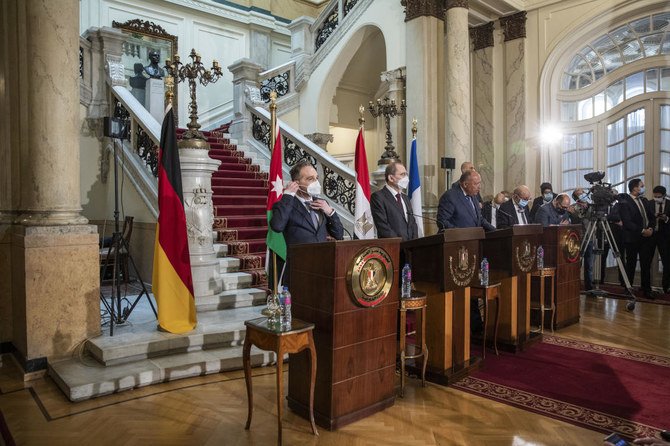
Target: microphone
434, 220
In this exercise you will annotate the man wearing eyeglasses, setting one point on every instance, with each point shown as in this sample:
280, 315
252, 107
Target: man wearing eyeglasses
555, 212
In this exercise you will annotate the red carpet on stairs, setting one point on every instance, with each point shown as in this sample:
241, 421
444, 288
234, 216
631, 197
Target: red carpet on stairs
598, 387
239, 198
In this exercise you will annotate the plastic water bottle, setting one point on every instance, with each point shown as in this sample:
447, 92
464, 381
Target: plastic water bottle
484, 267
286, 317
540, 257
406, 287
273, 303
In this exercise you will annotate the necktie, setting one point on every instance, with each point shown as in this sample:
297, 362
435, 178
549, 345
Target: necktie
645, 220
522, 217
472, 205
398, 199
312, 213
660, 211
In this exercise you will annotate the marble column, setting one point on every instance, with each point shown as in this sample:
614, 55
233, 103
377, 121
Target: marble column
482, 113
245, 79
424, 55
457, 74
302, 48
514, 65
196, 172
54, 254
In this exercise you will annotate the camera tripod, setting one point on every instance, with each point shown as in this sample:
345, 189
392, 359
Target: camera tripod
118, 248
599, 222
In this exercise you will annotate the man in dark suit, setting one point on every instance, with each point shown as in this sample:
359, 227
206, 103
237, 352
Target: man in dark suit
515, 211
638, 229
660, 208
301, 215
490, 208
458, 207
391, 209
555, 212
467, 166
546, 195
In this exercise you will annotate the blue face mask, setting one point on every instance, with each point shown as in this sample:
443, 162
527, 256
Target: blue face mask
548, 197
523, 203
642, 190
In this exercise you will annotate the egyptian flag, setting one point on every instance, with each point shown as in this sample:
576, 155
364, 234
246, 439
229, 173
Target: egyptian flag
172, 280
364, 228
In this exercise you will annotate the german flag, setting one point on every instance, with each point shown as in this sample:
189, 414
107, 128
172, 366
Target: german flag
172, 280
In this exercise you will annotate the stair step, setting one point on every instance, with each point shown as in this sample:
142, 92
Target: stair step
236, 280
81, 381
232, 299
237, 166
230, 159
240, 234
224, 200
235, 210
240, 190
220, 249
236, 173
243, 247
229, 264
242, 182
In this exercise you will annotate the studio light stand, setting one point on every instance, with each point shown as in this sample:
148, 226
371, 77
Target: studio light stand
117, 129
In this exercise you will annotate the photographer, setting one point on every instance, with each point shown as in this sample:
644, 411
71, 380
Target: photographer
580, 213
638, 228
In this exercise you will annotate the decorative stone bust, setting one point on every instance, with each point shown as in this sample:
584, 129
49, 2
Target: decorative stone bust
153, 69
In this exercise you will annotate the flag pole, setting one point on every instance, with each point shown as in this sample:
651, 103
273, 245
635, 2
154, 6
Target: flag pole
273, 139
414, 127
361, 119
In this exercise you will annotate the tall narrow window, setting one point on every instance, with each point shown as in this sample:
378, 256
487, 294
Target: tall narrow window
625, 149
665, 146
577, 159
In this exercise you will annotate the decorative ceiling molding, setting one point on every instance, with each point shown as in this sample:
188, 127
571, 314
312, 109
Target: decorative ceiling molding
423, 8
514, 26
482, 36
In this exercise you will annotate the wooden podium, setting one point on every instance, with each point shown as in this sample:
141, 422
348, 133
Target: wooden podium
561, 250
443, 266
512, 256
355, 345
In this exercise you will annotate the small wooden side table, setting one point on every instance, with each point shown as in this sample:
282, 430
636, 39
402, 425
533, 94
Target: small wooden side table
295, 340
542, 306
416, 303
488, 293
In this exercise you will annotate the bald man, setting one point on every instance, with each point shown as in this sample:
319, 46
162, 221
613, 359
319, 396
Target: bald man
555, 212
467, 166
515, 211
490, 208
458, 206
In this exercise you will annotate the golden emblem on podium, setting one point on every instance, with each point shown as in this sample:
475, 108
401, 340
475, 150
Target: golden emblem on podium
571, 246
464, 271
370, 276
525, 256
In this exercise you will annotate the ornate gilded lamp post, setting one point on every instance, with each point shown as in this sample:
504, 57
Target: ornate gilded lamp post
389, 110
193, 71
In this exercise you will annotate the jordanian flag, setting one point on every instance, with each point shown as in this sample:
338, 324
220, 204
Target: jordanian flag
275, 240
172, 280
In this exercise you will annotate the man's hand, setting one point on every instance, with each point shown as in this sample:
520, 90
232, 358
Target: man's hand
321, 205
647, 232
565, 222
291, 188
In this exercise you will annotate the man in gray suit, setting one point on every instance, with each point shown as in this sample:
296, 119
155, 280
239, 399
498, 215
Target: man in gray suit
391, 209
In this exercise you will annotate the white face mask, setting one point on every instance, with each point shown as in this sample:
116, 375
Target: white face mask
314, 188
403, 183
659, 199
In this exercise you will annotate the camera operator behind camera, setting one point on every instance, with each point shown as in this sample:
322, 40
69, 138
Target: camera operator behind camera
580, 213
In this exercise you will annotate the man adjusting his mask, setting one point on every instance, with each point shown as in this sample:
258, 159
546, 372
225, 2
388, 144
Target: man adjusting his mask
301, 215
390, 206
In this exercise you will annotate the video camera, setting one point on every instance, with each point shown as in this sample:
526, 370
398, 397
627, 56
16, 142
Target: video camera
602, 195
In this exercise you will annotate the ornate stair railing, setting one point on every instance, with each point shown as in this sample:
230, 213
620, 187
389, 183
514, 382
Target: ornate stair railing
141, 153
338, 180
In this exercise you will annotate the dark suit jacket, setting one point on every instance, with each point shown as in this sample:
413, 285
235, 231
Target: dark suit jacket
457, 185
633, 224
537, 204
455, 211
512, 217
486, 211
663, 227
290, 217
388, 217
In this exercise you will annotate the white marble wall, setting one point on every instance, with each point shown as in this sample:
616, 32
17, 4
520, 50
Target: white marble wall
515, 112
457, 49
482, 117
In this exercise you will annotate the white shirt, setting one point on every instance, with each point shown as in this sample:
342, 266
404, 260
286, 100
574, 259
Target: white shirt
521, 214
494, 212
395, 192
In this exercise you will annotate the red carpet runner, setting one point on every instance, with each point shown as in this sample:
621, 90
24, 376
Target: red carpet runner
239, 195
601, 388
